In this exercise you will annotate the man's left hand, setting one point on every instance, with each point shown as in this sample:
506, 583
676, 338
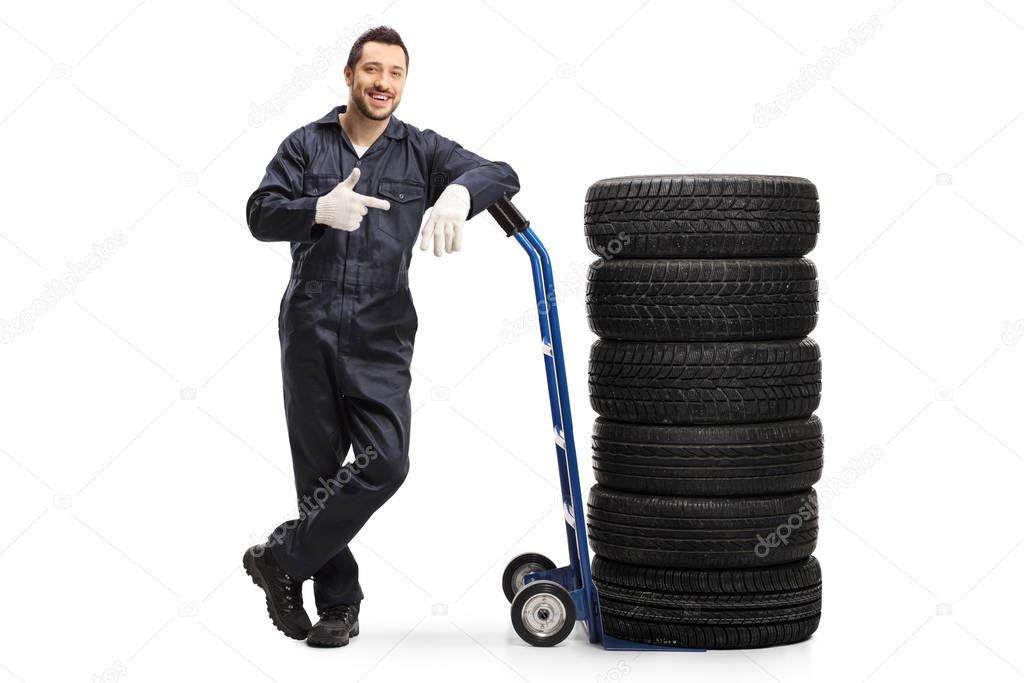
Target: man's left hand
446, 220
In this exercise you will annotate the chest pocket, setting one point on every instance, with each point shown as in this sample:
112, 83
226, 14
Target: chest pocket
408, 201
317, 184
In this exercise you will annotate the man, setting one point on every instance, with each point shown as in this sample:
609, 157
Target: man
349, 192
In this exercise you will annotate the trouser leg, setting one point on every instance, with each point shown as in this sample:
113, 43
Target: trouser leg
317, 430
354, 392
377, 412
379, 467
337, 582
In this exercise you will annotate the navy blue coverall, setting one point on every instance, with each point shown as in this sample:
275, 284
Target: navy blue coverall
347, 325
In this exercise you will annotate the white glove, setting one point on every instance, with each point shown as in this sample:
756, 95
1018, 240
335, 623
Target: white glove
447, 218
343, 209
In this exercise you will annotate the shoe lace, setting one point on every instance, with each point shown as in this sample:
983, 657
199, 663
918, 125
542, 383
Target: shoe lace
339, 612
291, 590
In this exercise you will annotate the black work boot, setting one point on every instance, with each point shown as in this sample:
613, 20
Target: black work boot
336, 626
284, 593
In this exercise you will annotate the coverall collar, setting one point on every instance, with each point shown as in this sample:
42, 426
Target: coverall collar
395, 128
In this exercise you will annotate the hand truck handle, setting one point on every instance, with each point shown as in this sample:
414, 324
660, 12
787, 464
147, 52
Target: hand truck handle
508, 216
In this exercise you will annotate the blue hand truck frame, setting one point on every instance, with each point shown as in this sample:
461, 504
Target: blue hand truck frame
546, 599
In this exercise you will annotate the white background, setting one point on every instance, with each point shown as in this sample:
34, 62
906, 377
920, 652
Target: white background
126, 507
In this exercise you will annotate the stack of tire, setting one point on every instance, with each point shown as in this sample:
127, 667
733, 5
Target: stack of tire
703, 518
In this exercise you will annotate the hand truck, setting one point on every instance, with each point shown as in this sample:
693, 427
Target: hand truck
548, 600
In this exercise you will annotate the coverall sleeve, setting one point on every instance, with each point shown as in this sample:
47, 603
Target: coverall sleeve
277, 211
486, 180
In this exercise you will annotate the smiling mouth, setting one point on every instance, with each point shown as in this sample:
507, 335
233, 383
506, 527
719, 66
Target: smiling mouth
379, 97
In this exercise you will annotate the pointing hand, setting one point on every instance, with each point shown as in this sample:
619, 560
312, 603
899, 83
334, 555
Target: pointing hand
343, 208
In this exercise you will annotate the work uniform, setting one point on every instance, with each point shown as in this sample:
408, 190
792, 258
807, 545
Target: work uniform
347, 325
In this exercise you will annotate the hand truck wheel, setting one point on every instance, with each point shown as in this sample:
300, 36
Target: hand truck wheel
543, 613
514, 578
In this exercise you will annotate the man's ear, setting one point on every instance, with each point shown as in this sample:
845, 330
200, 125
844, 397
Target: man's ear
348, 76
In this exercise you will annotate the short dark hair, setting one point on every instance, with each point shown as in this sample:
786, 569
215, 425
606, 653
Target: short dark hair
379, 34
